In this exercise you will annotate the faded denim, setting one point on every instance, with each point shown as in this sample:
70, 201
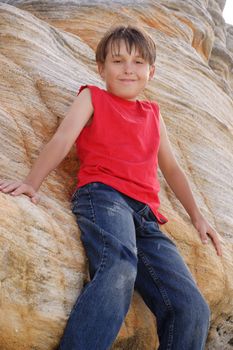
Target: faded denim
127, 250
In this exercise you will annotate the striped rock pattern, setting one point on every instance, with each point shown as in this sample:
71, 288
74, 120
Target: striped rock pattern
46, 53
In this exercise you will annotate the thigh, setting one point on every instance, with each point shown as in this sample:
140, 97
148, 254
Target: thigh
163, 278
107, 210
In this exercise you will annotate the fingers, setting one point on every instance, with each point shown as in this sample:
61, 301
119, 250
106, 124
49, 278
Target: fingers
204, 237
35, 199
9, 186
16, 188
214, 237
211, 234
25, 189
4, 183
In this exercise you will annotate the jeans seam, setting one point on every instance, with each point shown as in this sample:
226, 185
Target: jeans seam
98, 271
163, 293
104, 252
74, 195
93, 216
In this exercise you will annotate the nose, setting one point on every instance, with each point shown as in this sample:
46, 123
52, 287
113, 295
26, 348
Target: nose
128, 68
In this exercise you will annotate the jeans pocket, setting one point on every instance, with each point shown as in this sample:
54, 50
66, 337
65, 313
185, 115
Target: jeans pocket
75, 199
153, 217
79, 190
143, 209
137, 206
145, 218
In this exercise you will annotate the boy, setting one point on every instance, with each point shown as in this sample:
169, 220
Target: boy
120, 143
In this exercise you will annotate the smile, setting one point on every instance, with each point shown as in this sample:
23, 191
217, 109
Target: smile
127, 80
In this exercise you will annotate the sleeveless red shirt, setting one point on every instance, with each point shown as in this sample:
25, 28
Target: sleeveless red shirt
120, 147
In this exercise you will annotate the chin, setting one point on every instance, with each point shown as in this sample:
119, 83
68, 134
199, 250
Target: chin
125, 94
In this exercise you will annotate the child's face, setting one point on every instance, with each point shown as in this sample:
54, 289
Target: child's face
126, 75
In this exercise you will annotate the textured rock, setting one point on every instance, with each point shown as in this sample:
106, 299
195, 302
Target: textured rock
46, 52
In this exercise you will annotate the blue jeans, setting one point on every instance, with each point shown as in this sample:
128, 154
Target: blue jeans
127, 250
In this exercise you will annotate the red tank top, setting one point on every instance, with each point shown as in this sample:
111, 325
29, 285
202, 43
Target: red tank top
120, 147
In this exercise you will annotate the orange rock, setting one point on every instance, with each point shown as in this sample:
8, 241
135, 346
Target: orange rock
46, 53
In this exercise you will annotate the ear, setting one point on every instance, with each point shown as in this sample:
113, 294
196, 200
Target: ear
101, 69
152, 71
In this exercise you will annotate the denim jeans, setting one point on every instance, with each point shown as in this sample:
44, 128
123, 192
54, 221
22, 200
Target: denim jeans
126, 250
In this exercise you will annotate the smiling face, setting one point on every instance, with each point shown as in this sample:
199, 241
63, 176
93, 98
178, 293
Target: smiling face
125, 71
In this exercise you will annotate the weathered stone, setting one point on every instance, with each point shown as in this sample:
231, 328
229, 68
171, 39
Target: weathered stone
46, 53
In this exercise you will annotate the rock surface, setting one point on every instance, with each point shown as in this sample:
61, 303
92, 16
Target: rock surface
46, 53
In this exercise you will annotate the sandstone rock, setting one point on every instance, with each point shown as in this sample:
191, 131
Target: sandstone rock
46, 53
221, 60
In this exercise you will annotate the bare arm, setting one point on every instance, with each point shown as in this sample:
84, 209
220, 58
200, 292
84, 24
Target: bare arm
179, 184
56, 149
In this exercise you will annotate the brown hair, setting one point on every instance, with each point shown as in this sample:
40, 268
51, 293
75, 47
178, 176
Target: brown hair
134, 37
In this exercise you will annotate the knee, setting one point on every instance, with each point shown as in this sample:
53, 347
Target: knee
120, 286
124, 269
123, 276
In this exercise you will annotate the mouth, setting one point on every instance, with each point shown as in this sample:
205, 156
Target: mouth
127, 80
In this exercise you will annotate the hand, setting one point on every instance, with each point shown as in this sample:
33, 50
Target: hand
205, 230
15, 188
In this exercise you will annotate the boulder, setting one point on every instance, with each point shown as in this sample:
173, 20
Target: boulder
46, 53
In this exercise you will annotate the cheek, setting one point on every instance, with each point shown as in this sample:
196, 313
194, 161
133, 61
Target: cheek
112, 72
144, 71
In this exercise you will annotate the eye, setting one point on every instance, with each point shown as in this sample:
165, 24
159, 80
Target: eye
116, 61
139, 61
